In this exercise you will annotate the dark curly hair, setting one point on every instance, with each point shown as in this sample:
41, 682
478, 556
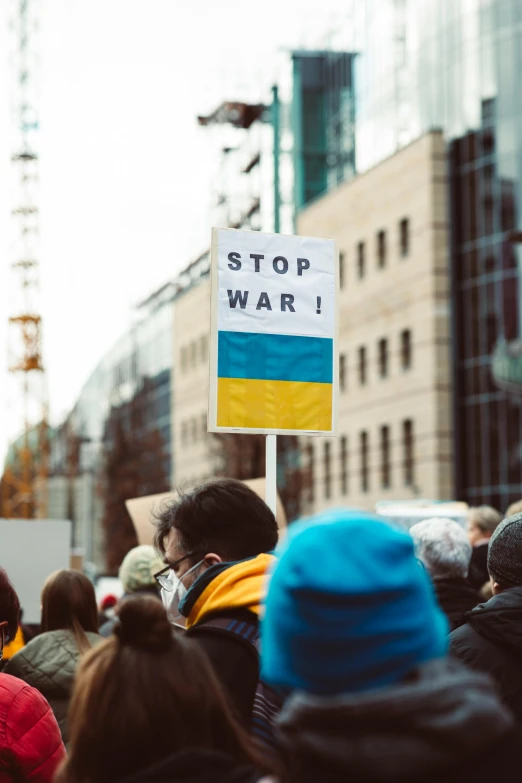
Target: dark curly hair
9, 606
223, 516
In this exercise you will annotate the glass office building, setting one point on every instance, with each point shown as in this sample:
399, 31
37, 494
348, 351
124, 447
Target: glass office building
480, 47
131, 386
390, 72
453, 64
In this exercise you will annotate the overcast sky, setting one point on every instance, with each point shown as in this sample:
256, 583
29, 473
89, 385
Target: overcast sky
124, 174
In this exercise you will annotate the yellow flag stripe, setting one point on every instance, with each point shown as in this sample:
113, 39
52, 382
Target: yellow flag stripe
282, 405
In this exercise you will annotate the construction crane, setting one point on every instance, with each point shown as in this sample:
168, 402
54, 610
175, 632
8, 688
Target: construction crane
24, 483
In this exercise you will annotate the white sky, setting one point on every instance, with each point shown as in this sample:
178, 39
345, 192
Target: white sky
124, 169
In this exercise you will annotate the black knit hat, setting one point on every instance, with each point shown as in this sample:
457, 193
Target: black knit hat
505, 553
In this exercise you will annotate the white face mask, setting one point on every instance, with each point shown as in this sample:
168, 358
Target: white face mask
172, 598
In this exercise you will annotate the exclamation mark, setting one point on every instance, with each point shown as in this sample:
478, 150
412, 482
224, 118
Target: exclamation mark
318, 311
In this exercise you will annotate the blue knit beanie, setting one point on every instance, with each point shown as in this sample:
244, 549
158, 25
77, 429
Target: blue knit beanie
349, 607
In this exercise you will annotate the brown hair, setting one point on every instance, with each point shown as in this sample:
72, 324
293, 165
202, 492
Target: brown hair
143, 695
69, 602
486, 518
515, 508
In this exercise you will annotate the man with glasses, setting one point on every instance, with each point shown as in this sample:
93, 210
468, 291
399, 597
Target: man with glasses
216, 542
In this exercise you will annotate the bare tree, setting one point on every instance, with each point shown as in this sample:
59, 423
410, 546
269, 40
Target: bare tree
135, 464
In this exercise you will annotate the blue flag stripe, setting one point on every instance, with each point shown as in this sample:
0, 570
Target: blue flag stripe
275, 357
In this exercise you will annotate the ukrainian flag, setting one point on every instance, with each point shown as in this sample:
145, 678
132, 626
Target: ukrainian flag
274, 381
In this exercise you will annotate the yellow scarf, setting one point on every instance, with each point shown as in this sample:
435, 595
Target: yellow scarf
15, 646
239, 587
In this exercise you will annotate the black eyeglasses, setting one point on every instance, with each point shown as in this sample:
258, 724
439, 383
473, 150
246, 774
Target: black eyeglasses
164, 577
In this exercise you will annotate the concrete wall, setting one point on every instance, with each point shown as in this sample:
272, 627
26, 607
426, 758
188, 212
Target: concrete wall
87, 509
192, 446
410, 292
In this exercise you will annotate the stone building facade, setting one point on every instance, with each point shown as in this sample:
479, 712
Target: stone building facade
395, 397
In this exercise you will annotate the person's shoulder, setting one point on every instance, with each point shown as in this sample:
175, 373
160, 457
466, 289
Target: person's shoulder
44, 643
231, 616
45, 639
50, 652
231, 629
499, 759
464, 640
18, 699
479, 553
29, 733
10, 687
462, 635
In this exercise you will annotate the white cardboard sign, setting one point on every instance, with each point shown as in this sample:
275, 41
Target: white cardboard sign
274, 333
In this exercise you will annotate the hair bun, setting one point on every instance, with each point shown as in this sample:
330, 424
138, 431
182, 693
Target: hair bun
143, 623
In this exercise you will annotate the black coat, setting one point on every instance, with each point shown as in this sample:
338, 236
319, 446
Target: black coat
491, 642
445, 724
194, 765
456, 597
499, 762
478, 566
234, 660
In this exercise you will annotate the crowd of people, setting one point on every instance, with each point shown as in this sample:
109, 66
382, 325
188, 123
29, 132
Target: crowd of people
351, 650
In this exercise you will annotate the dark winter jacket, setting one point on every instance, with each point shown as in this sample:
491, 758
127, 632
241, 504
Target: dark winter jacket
456, 597
478, 566
31, 747
444, 725
233, 591
234, 660
48, 663
194, 765
491, 642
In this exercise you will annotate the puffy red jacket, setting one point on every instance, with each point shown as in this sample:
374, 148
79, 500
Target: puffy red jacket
31, 746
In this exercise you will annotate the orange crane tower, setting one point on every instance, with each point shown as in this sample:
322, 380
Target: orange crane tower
26, 472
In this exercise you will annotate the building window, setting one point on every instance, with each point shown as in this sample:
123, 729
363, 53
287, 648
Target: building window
184, 358
404, 237
327, 471
341, 270
194, 353
194, 430
361, 260
204, 424
406, 359
183, 432
344, 465
383, 358
408, 449
381, 249
362, 365
342, 372
385, 457
365, 477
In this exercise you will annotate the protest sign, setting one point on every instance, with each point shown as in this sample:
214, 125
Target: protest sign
273, 362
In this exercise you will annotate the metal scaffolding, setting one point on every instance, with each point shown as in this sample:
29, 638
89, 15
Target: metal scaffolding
24, 482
